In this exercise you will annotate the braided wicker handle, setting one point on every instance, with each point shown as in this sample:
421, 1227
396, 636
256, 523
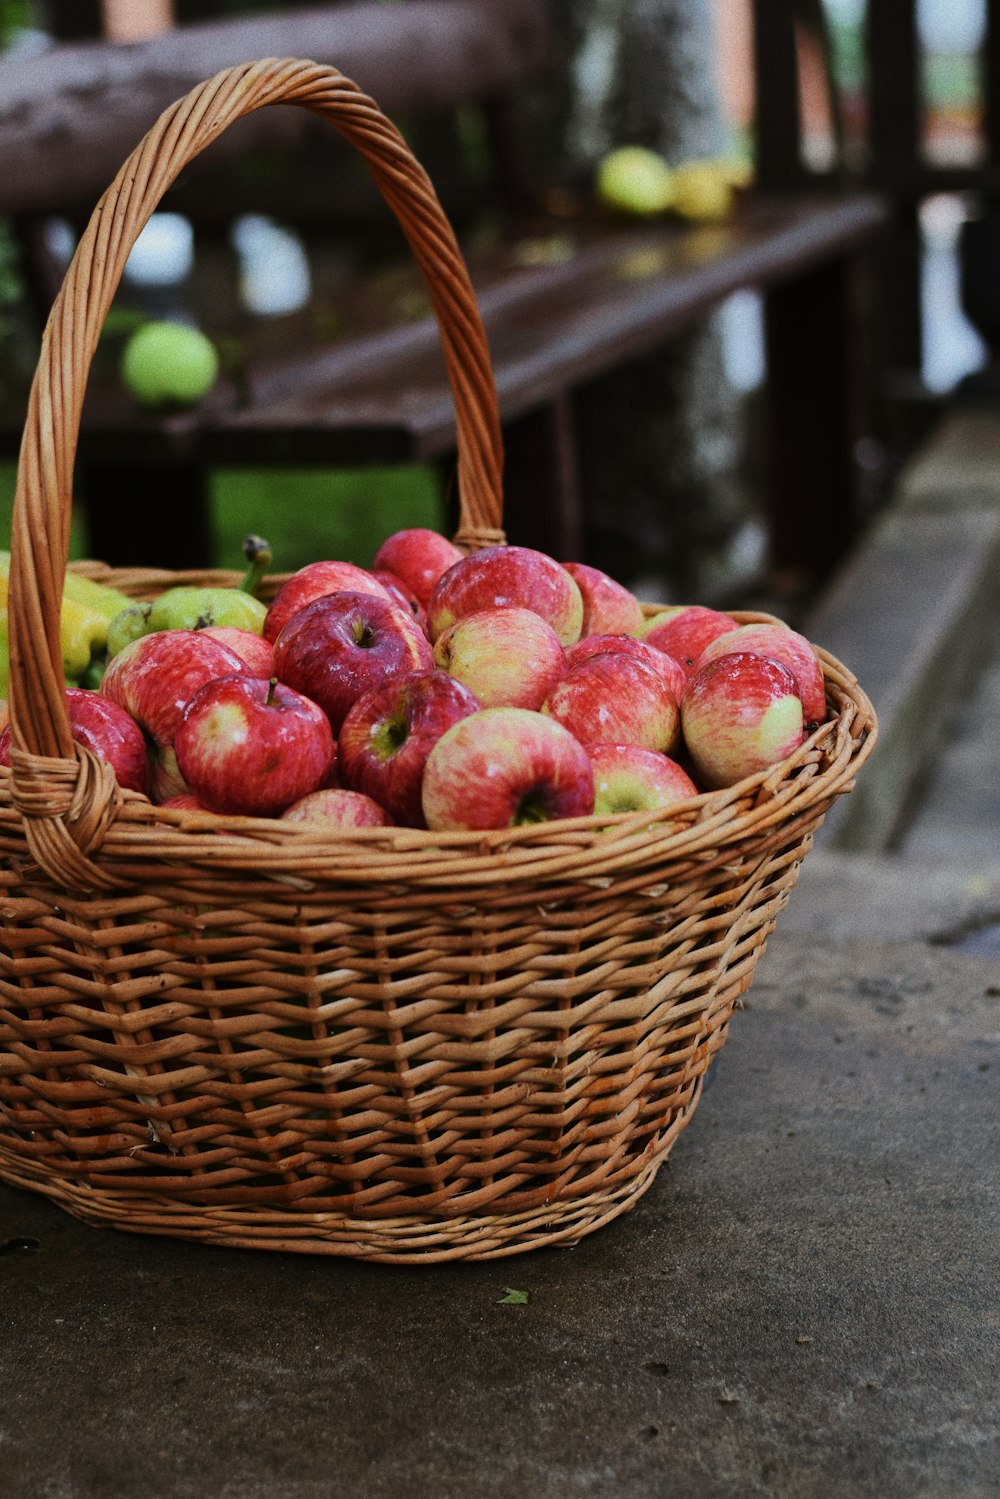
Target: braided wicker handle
40, 530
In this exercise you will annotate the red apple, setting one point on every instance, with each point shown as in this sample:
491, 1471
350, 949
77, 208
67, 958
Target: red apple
337, 808
108, 731
343, 644
417, 556
665, 666
740, 714
389, 732
252, 746
505, 768
315, 581
608, 607
783, 644
616, 699
684, 632
510, 658
504, 577
252, 649
154, 678
401, 593
185, 802
628, 778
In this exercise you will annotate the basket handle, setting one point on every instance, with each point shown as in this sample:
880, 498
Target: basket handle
40, 527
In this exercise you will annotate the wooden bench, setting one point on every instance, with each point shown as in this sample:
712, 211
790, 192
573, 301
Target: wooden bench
564, 301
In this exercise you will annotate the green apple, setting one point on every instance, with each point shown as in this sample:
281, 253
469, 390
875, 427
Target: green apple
635, 180
168, 364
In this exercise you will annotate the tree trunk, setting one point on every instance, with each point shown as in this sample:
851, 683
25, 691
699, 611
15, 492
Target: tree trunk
659, 442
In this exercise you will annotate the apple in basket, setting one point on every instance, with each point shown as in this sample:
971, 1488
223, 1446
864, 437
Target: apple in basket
253, 649
785, 645
740, 714
684, 632
608, 607
336, 807
663, 665
506, 768
315, 581
504, 576
343, 644
510, 658
616, 699
628, 778
389, 732
108, 731
154, 678
417, 557
252, 746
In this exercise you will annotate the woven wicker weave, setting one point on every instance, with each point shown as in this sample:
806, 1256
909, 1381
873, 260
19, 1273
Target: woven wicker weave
386, 1043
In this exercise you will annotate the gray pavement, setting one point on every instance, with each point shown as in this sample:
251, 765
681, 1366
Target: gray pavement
803, 1304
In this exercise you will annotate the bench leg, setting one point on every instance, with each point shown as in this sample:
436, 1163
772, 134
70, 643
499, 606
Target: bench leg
812, 482
150, 515
542, 506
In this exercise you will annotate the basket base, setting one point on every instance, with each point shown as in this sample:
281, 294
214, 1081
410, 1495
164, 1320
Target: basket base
402, 1241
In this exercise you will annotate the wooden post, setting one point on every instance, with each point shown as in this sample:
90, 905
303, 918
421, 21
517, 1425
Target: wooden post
136, 20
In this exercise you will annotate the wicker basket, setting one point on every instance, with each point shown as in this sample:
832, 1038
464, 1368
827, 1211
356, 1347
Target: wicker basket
388, 1044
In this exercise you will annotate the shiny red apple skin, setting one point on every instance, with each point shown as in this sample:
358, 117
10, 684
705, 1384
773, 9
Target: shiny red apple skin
628, 778
250, 746
740, 714
665, 666
401, 593
502, 577
252, 649
344, 644
510, 658
504, 768
315, 581
389, 732
337, 808
685, 632
609, 608
616, 699
108, 731
154, 678
417, 556
780, 643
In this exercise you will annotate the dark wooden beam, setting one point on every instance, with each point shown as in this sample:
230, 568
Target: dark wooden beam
70, 116
779, 163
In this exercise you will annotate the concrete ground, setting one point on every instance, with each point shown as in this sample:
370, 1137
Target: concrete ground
803, 1306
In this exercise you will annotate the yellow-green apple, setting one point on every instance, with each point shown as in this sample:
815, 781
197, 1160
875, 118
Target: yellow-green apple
740, 714
315, 581
337, 808
388, 733
616, 699
510, 658
154, 678
417, 556
783, 644
628, 778
665, 666
343, 644
506, 768
401, 593
685, 631
108, 731
253, 649
609, 608
252, 746
504, 577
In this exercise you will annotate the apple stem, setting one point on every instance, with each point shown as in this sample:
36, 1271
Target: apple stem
257, 553
272, 684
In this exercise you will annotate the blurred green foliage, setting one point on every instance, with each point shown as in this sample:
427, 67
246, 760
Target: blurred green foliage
304, 513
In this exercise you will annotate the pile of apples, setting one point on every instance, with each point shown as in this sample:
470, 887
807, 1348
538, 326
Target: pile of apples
449, 691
